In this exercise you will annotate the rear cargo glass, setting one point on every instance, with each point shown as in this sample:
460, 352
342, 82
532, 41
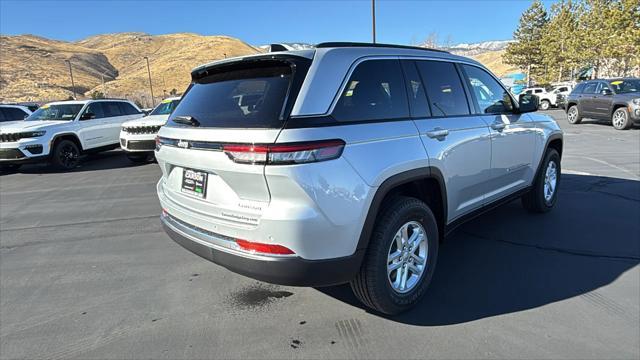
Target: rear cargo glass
243, 96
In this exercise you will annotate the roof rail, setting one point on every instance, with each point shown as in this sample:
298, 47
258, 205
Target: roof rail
359, 44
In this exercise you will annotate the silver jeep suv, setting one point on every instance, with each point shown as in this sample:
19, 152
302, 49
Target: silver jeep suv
347, 163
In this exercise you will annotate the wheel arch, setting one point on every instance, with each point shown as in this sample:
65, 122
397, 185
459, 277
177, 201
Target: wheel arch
426, 184
617, 106
66, 136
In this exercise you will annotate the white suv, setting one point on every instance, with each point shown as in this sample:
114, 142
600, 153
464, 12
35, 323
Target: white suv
138, 137
62, 131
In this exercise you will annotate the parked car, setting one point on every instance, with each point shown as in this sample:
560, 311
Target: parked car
61, 131
138, 137
13, 113
347, 167
615, 100
548, 99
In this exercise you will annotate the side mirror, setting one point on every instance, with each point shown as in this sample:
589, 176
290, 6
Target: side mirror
87, 116
606, 92
528, 103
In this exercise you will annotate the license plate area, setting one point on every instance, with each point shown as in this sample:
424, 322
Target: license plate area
194, 182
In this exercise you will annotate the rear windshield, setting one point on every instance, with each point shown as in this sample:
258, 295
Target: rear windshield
245, 96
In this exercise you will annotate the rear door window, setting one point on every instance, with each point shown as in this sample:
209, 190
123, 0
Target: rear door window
375, 91
127, 109
111, 109
249, 95
418, 103
444, 88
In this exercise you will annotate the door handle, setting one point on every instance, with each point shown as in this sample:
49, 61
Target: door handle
438, 133
498, 126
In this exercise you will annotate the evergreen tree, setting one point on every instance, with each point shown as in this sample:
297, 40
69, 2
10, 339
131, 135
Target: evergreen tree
559, 49
526, 51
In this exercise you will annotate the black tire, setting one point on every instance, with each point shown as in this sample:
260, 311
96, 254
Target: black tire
372, 286
620, 119
140, 158
545, 105
570, 116
535, 201
66, 155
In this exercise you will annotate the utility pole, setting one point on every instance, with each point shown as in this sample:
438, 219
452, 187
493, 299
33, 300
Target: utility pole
373, 19
73, 86
150, 85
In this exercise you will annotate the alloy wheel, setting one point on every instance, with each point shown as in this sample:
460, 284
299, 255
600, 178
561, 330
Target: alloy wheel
68, 156
619, 118
407, 257
550, 181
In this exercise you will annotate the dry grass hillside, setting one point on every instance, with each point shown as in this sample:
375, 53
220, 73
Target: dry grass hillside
493, 61
34, 68
171, 58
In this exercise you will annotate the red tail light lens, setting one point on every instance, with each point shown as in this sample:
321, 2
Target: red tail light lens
285, 154
263, 248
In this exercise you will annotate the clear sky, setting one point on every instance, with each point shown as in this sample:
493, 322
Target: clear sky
263, 22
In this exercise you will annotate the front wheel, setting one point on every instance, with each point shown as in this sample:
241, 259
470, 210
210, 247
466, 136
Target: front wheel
545, 105
573, 115
544, 194
401, 257
620, 119
66, 155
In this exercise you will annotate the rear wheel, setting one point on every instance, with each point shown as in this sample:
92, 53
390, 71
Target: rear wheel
401, 257
545, 105
66, 155
620, 119
544, 193
573, 115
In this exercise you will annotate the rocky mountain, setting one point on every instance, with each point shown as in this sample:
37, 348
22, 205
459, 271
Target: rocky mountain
478, 48
489, 53
35, 68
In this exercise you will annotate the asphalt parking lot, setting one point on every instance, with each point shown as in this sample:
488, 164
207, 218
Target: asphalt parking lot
86, 272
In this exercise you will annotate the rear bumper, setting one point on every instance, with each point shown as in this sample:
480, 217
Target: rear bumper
282, 270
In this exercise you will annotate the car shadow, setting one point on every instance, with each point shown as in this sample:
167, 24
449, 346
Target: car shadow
605, 123
508, 260
113, 159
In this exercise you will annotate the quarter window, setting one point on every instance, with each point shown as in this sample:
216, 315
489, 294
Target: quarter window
375, 91
444, 88
490, 96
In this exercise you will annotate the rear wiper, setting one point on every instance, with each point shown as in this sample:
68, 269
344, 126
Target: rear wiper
186, 120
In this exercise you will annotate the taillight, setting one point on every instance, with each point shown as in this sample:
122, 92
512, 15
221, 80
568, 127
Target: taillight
263, 248
284, 154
